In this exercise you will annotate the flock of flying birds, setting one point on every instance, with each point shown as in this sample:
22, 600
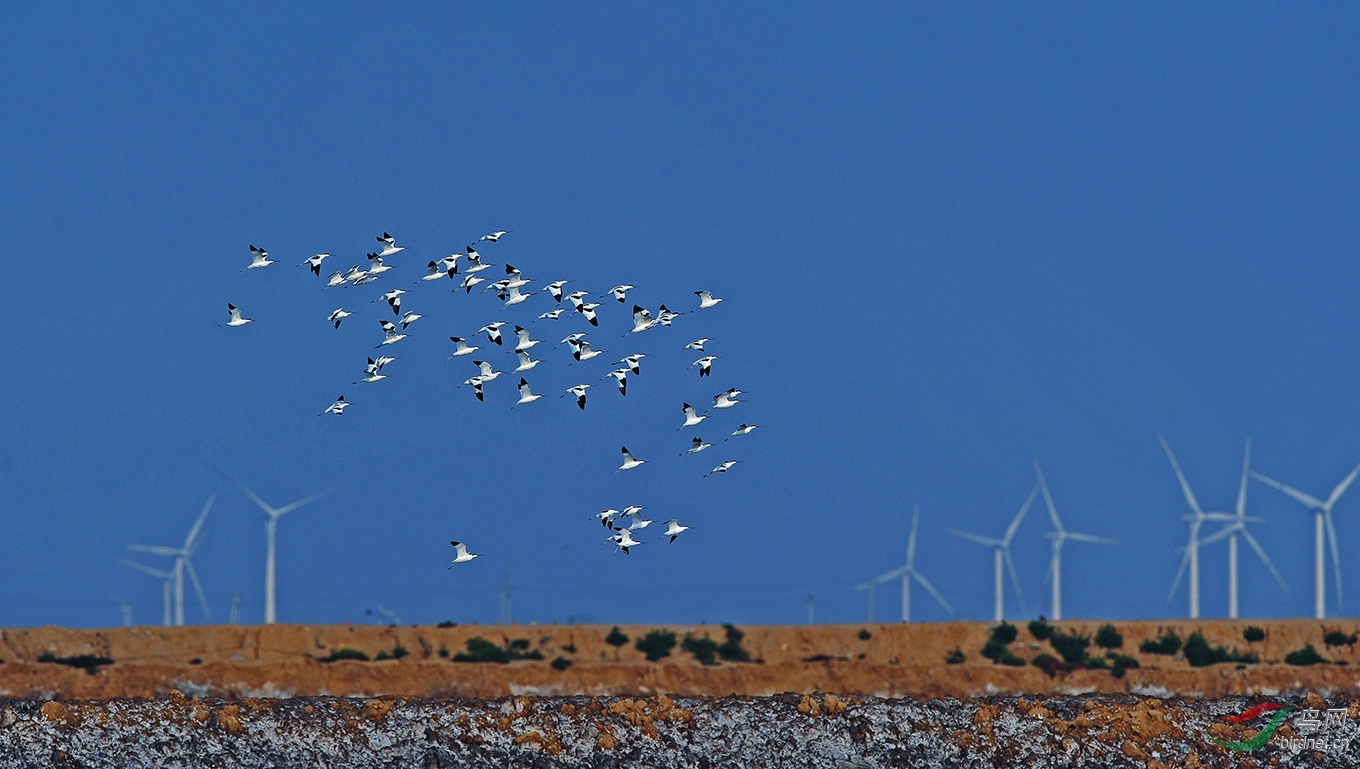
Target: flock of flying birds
511, 290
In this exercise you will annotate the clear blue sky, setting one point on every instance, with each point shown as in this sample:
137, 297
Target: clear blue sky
952, 239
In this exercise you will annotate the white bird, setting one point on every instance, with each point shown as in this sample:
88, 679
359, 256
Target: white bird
642, 320
258, 258
383, 360
706, 299
583, 351
552, 314
580, 392
493, 237
607, 517
624, 540
665, 316
514, 297
487, 374
450, 263
722, 468
475, 263
339, 315
355, 273
697, 446
555, 288
390, 329
314, 261
620, 376
742, 430
525, 395
476, 383
500, 287
435, 270
516, 280
633, 362
697, 344
674, 529
572, 339
409, 318
235, 313
365, 278
461, 550
372, 373
705, 365
620, 293
336, 279
726, 400
525, 362
376, 266
638, 524
492, 331
577, 299
692, 417
629, 461
389, 245
463, 348
337, 408
588, 310
633, 509
393, 299
469, 282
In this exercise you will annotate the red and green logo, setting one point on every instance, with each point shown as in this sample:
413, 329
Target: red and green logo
1263, 736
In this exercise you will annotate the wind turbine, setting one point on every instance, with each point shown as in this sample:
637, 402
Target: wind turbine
907, 572
1057, 538
1003, 552
1322, 516
1238, 525
183, 563
125, 608
157, 573
1196, 519
271, 526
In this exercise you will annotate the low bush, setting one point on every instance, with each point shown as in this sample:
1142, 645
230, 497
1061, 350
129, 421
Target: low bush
1121, 662
1049, 664
955, 657
482, 650
344, 654
1200, 654
382, 655
864, 634
1253, 634
1095, 663
994, 650
616, 637
88, 662
731, 649
1070, 646
1305, 656
444, 651
1338, 638
1108, 638
656, 644
1169, 643
1003, 633
447, 623
1040, 629
560, 664
1010, 659
569, 648
705, 649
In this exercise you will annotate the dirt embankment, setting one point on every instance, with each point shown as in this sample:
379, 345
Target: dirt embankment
893, 660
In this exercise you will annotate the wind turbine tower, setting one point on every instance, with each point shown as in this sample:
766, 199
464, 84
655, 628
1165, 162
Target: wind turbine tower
505, 597
125, 608
1002, 552
158, 574
1237, 525
907, 572
271, 526
1322, 519
183, 563
1057, 537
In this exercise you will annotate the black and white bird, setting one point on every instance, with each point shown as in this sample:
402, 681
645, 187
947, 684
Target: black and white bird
365, 278
552, 314
697, 344
393, 299
487, 374
460, 550
621, 376
475, 263
314, 262
555, 288
390, 329
638, 523
493, 237
705, 365
624, 540
516, 280
588, 310
437, 270
706, 300
492, 331
339, 315
355, 274
513, 297
525, 394
582, 351
462, 348
674, 529
572, 339
337, 408
372, 373
469, 282
620, 293
665, 316
258, 258
383, 360
744, 429
525, 362
642, 320
580, 392
722, 468
692, 417
634, 362
376, 266
726, 400
409, 318
336, 279
476, 383
629, 461
389, 245
234, 316
607, 517
577, 299
696, 446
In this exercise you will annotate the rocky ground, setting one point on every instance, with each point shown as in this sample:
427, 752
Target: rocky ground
816, 730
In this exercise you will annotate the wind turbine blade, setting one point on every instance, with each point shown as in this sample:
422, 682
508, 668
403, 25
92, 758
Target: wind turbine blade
1048, 499
978, 538
290, 508
198, 524
925, 583
1090, 538
1341, 487
1242, 488
894, 574
157, 550
1222, 534
1264, 558
860, 586
157, 573
1175, 583
1336, 556
1020, 516
193, 577
1015, 579
1180, 476
1308, 500
911, 540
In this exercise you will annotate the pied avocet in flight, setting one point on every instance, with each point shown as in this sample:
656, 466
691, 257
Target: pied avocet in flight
525, 394
389, 245
624, 540
436, 270
588, 311
393, 299
376, 266
258, 258
633, 362
469, 282
339, 315
726, 400
525, 362
390, 329
460, 549
524, 341
629, 461
235, 318
724, 467
584, 352
706, 299
552, 314
697, 446
705, 365
336, 279
697, 344
337, 408
314, 261
409, 318
555, 288
620, 376
607, 517
487, 374
462, 348
741, 430
692, 417
492, 331
620, 292
475, 263
580, 392
674, 529
493, 237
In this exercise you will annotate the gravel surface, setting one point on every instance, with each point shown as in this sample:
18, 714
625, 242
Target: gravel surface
818, 730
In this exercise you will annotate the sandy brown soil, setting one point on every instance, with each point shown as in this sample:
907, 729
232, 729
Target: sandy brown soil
896, 660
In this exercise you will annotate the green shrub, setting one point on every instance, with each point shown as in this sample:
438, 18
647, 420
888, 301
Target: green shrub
481, 650
656, 644
864, 634
1095, 663
88, 662
704, 649
1010, 659
447, 623
443, 651
519, 644
1338, 638
560, 664
399, 651
1070, 646
1040, 629
569, 648
994, 650
1003, 633
1048, 663
730, 649
383, 655
1253, 634
1120, 663
1108, 638
1168, 644
1199, 653
1305, 656
954, 657
616, 637
344, 654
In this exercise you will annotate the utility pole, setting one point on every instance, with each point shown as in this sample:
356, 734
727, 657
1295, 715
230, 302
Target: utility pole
505, 597
812, 605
